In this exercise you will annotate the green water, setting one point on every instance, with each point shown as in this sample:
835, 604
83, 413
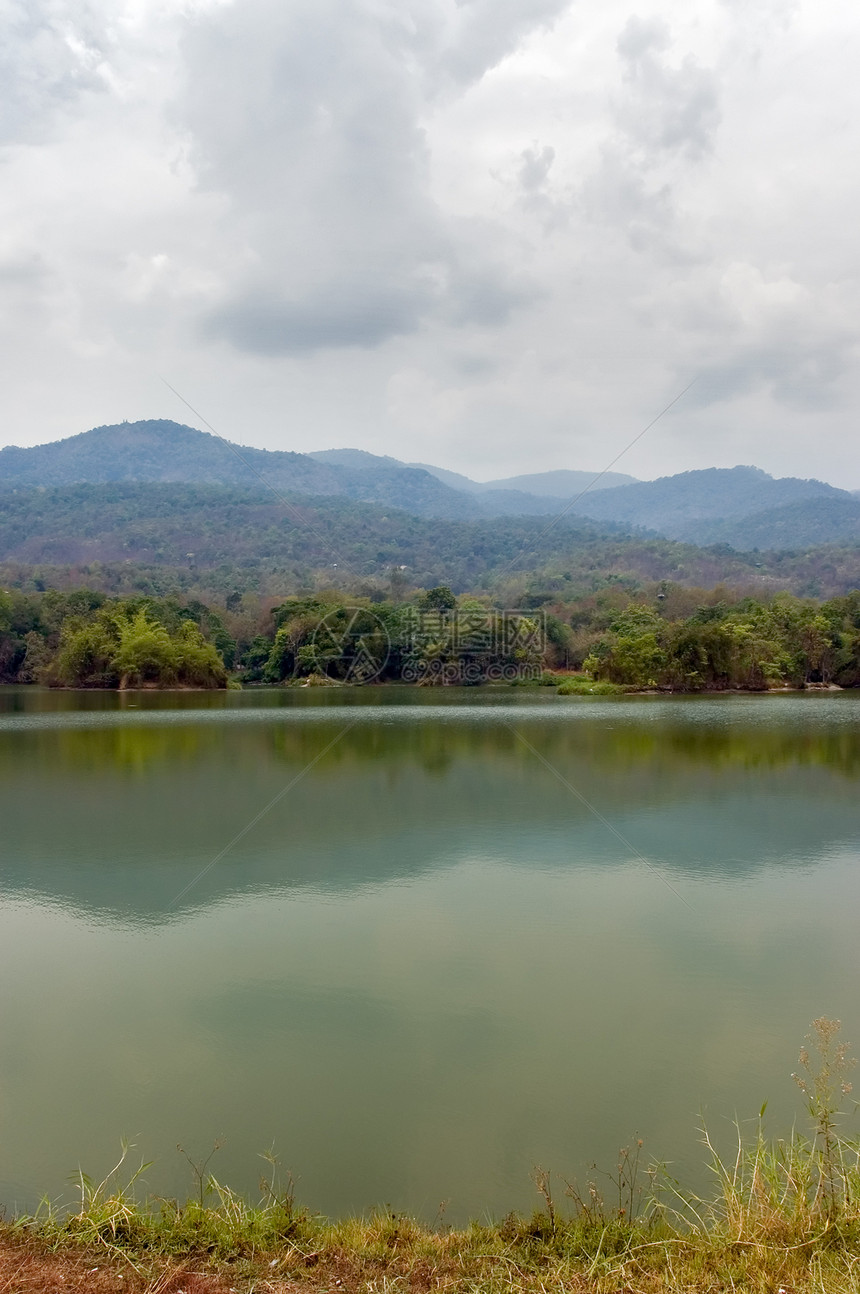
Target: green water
471, 932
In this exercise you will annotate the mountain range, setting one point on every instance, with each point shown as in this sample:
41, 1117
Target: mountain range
535, 493
741, 507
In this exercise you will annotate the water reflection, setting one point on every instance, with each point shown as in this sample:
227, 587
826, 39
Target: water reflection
119, 818
429, 966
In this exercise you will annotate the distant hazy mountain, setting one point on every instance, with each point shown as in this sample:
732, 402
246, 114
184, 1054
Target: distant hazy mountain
514, 503
152, 450
539, 493
740, 506
677, 506
159, 450
360, 459
804, 524
559, 484
456, 480
165, 451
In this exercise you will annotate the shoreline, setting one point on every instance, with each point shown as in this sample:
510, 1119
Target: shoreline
589, 688
784, 1216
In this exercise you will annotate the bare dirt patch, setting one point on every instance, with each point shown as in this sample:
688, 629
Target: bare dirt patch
26, 1267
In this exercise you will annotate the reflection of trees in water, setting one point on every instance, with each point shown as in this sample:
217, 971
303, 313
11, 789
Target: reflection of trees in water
745, 748
121, 818
134, 748
432, 745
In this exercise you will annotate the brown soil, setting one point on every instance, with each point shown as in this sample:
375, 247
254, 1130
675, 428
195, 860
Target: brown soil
27, 1267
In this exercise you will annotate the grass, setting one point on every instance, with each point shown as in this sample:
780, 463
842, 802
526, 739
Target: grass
582, 685
783, 1214
567, 684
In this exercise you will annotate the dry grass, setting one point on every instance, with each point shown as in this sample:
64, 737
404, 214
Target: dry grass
29, 1266
367, 1257
784, 1215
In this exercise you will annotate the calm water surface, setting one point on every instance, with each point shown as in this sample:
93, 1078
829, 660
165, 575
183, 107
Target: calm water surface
419, 942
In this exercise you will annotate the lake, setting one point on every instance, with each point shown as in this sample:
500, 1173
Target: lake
418, 941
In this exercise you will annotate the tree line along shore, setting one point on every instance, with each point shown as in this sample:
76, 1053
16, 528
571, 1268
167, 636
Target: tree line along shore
665, 637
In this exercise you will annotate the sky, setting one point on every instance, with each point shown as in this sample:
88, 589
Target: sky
499, 236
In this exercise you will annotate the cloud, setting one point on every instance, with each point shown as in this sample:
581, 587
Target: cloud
316, 142
52, 52
773, 333
535, 168
547, 215
278, 326
667, 109
482, 32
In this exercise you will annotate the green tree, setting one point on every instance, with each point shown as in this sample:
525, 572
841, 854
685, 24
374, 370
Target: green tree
144, 653
440, 599
87, 654
124, 645
198, 662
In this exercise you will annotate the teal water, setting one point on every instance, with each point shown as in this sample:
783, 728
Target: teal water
418, 941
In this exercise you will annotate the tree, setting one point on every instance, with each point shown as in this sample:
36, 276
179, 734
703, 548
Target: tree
440, 599
145, 653
124, 645
198, 663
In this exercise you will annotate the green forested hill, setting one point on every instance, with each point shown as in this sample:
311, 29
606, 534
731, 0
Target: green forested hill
701, 507
682, 506
559, 485
207, 526
222, 537
158, 450
159, 495
805, 523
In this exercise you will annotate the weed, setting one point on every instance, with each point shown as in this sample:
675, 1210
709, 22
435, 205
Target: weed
824, 1084
205, 1185
581, 685
543, 1181
783, 1214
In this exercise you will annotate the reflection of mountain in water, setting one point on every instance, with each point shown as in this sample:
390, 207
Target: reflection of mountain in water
117, 820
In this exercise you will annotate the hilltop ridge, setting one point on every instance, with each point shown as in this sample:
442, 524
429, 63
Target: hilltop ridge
742, 507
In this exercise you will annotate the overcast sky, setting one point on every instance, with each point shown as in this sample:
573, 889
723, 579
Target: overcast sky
495, 235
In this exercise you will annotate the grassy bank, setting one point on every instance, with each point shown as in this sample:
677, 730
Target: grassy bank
782, 1215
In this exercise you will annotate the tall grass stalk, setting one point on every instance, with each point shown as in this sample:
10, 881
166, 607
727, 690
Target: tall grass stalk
782, 1213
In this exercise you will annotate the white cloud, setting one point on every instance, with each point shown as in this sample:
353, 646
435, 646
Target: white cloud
491, 233
666, 109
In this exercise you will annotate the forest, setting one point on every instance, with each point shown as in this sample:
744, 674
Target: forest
660, 636
214, 539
